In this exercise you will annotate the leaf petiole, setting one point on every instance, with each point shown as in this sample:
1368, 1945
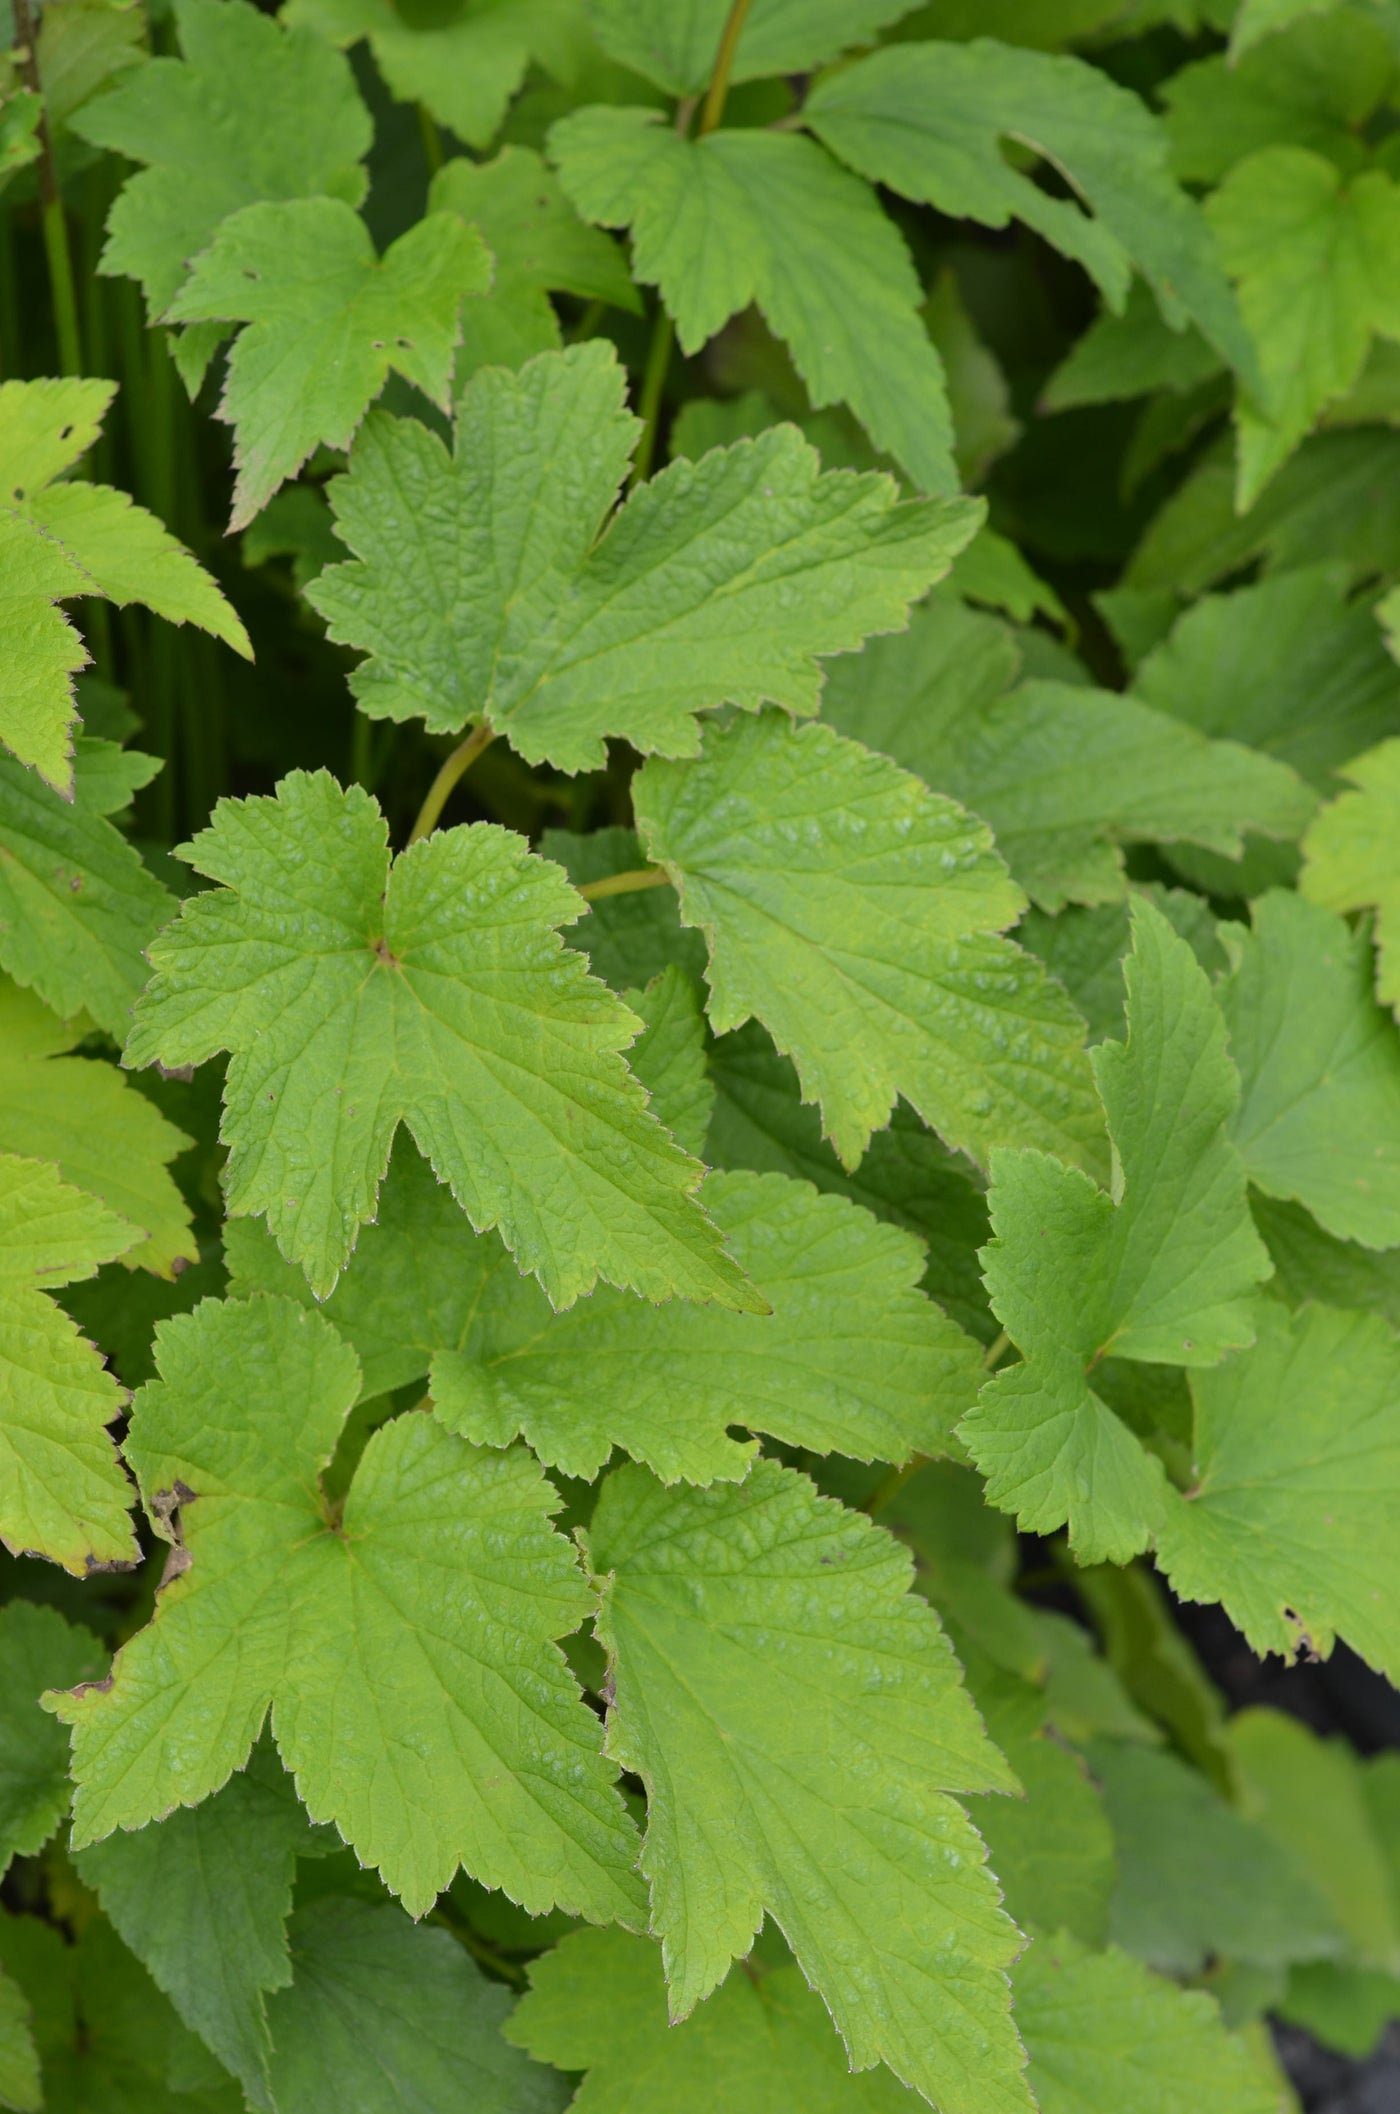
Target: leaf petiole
453, 767
624, 884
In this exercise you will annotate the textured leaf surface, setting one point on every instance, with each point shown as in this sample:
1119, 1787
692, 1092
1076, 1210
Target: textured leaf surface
38, 1650
483, 588
77, 905
326, 322
928, 121
764, 2045
739, 217
62, 1493
42, 650
399, 2013
1352, 855
19, 2061
405, 1650
852, 1359
669, 1056
1159, 1270
1297, 1454
437, 993
851, 910
676, 47
1319, 1063
798, 1718
251, 111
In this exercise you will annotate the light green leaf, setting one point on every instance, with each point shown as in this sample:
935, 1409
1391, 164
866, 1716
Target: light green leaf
400, 2017
669, 1056
19, 2060
1102, 2032
1127, 355
62, 1492
77, 905
799, 1719
38, 1650
928, 120
540, 246
677, 47
1161, 1269
202, 1899
1258, 19
82, 46
1351, 856
629, 939
405, 1648
251, 111
1315, 261
82, 1113
761, 2045
767, 217
435, 992
1065, 775
1314, 86
1297, 1458
326, 322
857, 916
852, 1359
42, 651
1319, 1063
491, 584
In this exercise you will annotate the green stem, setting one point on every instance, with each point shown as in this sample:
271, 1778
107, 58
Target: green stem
625, 884
461, 760
9, 299
724, 65
432, 139
663, 337
890, 1485
587, 324
61, 285
994, 1349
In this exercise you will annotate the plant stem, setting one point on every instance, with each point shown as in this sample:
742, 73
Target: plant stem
724, 66
55, 225
994, 1350
432, 139
453, 767
587, 323
663, 337
624, 884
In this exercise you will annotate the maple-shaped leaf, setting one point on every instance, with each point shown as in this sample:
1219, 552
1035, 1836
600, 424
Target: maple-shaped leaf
762, 2044
1102, 2031
852, 1358
1351, 855
19, 2060
1319, 1064
1297, 1472
799, 1720
928, 120
857, 915
38, 1650
492, 584
81, 1113
356, 993
767, 217
251, 111
676, 47
1316, 257
62, 1492
540, 246
42, 651
77, 904
1160, 1269
325, 322
404, 1645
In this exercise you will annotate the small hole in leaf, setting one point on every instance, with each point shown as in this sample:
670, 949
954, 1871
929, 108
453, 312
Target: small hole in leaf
66, 434
19, 491
249, 273
406, 344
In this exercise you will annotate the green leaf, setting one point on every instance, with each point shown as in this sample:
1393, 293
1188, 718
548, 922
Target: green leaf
857, 916
852, 1359
82, 1113
629, 939
77, 906
326, 320
434, 993
405, 1648
1127, 355
62, 1492
251, 111
42, 650
398, 2015
928, 121
763, 2044
202, 1899
1101, 2032
19, 2060
1314, 261
676, 47
1297, 1457
1198, 1880
1309, 1264
767, 217
1319, 1063
486, 588
798, 1719
1350, 858
38, 1650
1065, 775
1160, 1269
81, 47
1315, 86
669, 1056
540, 246
1258, 19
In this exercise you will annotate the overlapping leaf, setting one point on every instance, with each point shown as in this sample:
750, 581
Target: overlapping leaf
405, 1647
677, 48
1352, 855
38, 1650
483, 588
799, 1719
19, 2060
355, 996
